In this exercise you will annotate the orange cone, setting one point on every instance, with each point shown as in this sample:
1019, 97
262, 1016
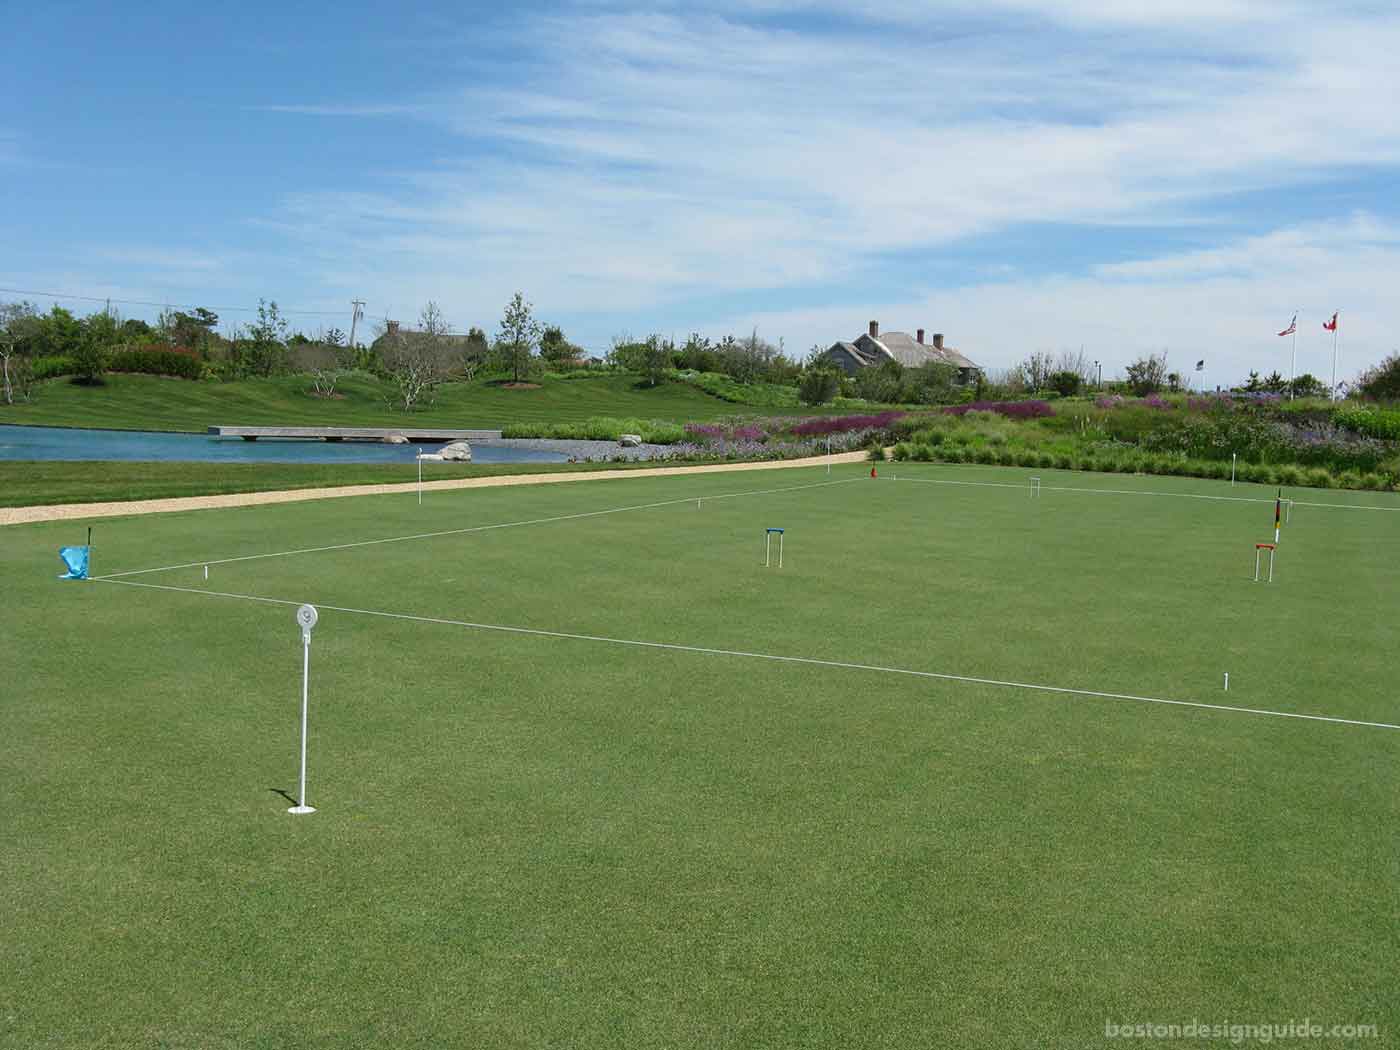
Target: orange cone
872, 472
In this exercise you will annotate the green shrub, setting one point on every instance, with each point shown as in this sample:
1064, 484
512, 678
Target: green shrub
903, 450
52, 366
1063, 461
1372, 422
1349, 479
1288, 474
1318, 478
953, 454
1373, 481
157, 361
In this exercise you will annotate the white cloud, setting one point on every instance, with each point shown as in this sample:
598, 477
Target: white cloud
636, 167
1225, 306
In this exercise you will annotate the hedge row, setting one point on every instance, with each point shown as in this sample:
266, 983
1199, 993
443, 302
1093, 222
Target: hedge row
157, 362
1139, 463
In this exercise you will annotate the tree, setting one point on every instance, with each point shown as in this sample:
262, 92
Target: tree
1146, 374
1307, 385
518, 337
193, 330
556, 349
651, 357
264, 352
1066, 382
1174, 381
882, 383
1037, 369
18, 328
820, 384
1253, 384
476, 352
417, 361
1381, 381
1274, 382
334, 337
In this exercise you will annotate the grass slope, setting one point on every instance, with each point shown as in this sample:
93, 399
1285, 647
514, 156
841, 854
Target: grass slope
528, 841
136, 402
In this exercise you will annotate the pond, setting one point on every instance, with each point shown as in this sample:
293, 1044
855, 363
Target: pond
148, 446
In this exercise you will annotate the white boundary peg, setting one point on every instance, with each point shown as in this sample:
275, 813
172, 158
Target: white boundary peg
1035, 486
306, 619
1287, 511
768, 548
420, 477
1259, 548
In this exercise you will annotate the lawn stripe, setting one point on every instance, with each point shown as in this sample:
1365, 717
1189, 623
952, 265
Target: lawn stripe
811, 661
474, 528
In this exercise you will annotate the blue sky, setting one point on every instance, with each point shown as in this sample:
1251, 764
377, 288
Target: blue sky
1021, 176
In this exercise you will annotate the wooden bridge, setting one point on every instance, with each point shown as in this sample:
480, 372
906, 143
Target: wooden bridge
409, 433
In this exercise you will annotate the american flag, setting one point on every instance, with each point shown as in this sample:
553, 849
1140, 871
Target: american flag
1292, 326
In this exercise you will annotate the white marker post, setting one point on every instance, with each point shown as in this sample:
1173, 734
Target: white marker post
306, 618
1227, 681
1233, 457
828, 453
420, 477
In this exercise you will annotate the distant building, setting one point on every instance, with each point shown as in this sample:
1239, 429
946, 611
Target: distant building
447, 348
872, 349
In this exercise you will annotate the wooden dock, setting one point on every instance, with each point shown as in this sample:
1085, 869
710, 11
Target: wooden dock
409, 432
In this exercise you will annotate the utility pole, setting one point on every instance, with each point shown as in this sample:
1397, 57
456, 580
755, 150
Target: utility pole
355, 315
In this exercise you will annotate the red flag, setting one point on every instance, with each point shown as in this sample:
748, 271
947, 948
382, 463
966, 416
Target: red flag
1292, 326
1331, 325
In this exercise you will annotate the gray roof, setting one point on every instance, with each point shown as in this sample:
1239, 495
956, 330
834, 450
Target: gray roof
909, 352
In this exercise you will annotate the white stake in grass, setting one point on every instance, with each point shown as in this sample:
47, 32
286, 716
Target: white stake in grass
1233, 456
306, 618
420, 477
1227, 681
768, 548
1035, 487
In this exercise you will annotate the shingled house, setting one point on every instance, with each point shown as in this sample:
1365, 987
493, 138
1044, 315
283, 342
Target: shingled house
873, 349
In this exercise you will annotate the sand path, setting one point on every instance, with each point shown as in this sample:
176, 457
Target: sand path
64, 511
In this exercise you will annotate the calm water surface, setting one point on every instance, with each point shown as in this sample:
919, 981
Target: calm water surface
146, 446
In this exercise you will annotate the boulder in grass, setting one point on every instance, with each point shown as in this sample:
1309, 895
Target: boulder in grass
629, 440
394, 439
457, 452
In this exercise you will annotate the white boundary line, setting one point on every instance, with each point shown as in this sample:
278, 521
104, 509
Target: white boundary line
810, 661
1142, 492
474, 528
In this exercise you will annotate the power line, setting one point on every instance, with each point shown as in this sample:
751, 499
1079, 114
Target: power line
180, 306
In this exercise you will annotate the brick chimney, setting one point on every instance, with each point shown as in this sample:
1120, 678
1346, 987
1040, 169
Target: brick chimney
920, 337
874, 329
392, 327
938, 340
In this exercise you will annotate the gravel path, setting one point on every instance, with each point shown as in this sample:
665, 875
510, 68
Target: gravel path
63, 511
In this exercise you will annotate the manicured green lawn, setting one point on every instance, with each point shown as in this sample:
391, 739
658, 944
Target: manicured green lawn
526, 840
25, 483
137, 402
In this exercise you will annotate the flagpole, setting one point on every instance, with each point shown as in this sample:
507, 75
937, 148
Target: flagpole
1332, 394
1293, 365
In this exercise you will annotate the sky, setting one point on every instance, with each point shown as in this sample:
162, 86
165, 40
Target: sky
1126, 178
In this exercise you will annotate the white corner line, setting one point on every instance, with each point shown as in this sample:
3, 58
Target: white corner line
806, 660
